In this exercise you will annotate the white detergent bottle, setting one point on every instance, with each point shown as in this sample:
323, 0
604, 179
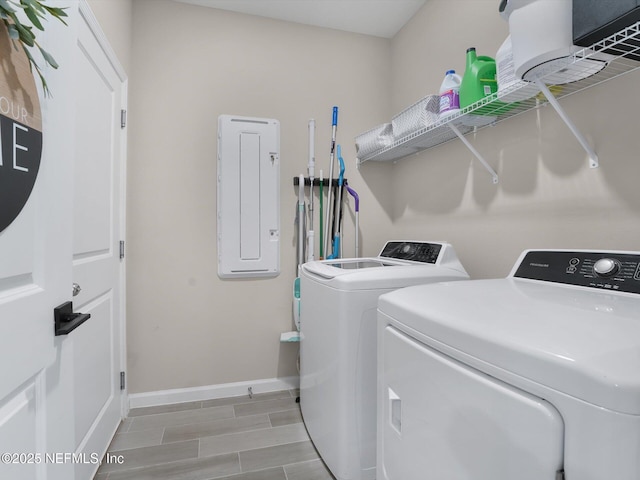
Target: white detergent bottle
450, 94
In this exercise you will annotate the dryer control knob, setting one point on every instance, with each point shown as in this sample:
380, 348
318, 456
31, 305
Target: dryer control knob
606, 267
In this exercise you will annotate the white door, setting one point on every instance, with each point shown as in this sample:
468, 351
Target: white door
96, 346
35, 270
60, 395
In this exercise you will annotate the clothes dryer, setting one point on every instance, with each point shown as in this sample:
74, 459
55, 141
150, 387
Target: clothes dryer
338, 345
534, 377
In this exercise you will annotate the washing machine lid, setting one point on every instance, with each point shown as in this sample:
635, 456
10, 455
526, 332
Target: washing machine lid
582, 341
358, 263
400, 263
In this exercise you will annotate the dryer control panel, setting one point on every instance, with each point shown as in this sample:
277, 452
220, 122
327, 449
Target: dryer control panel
423, 252
615, 271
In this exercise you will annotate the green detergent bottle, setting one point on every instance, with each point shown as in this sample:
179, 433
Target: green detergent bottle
479, 78
479, 81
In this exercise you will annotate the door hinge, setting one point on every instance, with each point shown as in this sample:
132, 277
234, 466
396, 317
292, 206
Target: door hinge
121, 249
560, 475
123, 118
122, 381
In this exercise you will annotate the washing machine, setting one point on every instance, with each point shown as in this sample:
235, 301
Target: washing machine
535, 376
338, 345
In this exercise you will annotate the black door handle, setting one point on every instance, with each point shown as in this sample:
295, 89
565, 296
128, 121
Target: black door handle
65, 321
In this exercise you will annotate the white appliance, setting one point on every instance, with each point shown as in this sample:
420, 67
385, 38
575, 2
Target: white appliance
338, 345
535, 376
542, 41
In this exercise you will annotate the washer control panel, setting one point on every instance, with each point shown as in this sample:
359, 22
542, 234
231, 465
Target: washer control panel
423, 252
615, 271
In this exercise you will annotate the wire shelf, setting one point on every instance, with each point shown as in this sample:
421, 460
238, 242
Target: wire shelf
616, 55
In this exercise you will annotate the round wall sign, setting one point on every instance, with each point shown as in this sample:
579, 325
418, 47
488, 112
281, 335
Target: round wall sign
20, 130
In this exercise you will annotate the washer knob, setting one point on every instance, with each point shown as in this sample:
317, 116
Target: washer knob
606, 267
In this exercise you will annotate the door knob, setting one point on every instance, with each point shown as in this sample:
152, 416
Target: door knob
76, 289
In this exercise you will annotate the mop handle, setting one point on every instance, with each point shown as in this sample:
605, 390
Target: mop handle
321, 244
312, 148
355, 196
338, 204
300, 221
334, 128
336, 224
357, 250
340, 183
312, 174
312, 165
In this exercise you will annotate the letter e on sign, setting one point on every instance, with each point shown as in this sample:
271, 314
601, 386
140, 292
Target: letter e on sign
20, 130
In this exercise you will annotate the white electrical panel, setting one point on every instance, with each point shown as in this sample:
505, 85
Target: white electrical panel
248, 197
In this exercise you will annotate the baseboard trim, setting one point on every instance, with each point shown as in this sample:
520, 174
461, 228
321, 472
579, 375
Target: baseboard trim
209, 392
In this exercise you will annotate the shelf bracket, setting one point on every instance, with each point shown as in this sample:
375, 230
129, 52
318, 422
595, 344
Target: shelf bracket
593, 157
475, 152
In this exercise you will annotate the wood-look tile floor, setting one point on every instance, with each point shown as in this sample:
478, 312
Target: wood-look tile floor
237, 438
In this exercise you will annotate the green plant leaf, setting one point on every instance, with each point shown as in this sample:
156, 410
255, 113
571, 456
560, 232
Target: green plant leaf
31, 4
47, 56
45, 87
26, 35
33, 16
4, 5
13, 32
35, 11
56, 12
32, 65
32, 62
35, 6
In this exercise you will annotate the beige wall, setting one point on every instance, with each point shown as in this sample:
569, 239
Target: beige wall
190, 64
547, 197
115, 18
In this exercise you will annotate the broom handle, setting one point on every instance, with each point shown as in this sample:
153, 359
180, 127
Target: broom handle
334, 128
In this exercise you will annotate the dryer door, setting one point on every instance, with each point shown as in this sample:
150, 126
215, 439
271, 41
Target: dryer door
440, 419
